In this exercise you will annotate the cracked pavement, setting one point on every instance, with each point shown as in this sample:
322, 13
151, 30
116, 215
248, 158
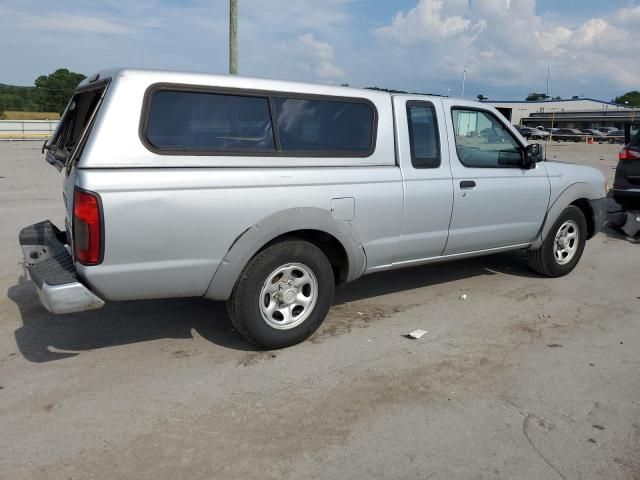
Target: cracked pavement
527, 378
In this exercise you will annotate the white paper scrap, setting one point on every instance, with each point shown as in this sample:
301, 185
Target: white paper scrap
417, 334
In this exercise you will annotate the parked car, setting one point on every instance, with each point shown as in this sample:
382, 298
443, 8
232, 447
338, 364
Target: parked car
568, 135
614, 136
592, 132
533, 133
626, 185
266, 194
605, 130
550, 129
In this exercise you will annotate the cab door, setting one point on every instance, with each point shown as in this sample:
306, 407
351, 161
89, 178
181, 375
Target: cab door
428, 191
496, 201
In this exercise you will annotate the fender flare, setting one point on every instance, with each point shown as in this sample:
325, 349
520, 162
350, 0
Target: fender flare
573, 192
255, 237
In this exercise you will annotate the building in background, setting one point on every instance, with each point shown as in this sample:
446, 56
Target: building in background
574, 113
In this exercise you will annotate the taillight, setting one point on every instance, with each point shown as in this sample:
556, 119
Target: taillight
626, 154
87, 228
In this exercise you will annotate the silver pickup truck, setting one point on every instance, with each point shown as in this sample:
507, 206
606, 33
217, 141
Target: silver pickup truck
267, 194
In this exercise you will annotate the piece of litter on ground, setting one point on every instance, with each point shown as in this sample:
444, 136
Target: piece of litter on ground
463, 296
544, 315
416, 334
554, 345
360, 313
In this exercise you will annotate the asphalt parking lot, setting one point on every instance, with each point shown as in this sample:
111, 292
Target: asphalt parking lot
526, 378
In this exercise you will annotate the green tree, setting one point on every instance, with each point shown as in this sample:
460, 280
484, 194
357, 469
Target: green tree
533, 97
2, 109
56, 89
631, 98
19, 98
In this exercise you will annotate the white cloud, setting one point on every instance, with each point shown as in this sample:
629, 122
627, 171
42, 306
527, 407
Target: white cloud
628, 16
320, 54
504, 45
62, 22
424, 22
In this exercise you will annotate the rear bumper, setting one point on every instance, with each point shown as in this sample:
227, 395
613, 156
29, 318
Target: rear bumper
629, 198
599, 207
52, 270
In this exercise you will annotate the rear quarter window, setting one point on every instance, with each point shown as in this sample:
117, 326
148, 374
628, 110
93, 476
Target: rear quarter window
423, 134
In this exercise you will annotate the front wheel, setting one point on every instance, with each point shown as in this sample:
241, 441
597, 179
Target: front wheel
563, 246
283, 294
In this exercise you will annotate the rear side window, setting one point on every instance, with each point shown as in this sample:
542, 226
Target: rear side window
423, 134
199, 121
179, 120
324, 126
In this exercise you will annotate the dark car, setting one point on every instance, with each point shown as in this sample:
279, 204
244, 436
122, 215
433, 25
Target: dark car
533, 133
569, 135
614, 136
592, 132
626, 185
605, 130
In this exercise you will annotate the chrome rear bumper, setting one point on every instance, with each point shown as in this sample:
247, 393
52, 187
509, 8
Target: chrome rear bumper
52, 270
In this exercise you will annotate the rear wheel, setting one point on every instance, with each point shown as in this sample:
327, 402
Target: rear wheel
563, 246
283, 294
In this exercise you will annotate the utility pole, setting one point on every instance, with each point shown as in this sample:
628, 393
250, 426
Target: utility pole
233, 37
548, 73
464, 77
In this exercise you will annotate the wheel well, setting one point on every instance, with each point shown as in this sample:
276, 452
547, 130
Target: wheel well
583, 204
330, 246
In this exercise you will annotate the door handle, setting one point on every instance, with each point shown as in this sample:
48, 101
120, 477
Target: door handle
467, 184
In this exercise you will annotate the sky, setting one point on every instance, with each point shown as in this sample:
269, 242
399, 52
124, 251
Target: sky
504, 46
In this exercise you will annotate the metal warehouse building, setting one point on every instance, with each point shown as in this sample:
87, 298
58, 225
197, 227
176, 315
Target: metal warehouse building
574, 113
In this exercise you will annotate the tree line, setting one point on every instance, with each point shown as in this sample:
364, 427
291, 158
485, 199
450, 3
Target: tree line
50, 93
631, 98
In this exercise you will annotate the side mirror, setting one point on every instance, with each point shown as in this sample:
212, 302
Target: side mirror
533, 155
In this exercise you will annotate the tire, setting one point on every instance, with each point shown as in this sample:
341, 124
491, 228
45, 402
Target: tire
264, 286
545, 261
